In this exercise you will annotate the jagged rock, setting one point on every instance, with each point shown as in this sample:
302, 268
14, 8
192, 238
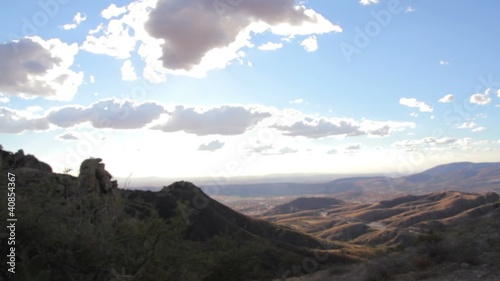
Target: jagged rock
29, 161
95, 178
19, 160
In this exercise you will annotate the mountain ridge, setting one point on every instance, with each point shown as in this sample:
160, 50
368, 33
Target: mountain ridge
461, 176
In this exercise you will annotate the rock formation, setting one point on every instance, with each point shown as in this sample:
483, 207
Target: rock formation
95, 178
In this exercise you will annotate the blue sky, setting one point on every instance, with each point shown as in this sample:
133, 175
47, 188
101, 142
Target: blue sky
229, 88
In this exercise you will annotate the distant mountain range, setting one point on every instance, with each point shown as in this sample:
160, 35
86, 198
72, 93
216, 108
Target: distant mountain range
462, 176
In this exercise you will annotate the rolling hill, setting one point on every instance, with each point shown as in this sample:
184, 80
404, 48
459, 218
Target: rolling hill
388, 222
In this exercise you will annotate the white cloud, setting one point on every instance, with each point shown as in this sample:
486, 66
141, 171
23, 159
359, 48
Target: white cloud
77, 20
440, 141
32, 67
211, 146
412, 102
481, 99
384, 128
107, 114
268, 149
409, 9
443, 62
113, 11
97, 29
17, 121
287, 150
270, 46
319, 128
310, 44
297, 101
128, 71
115, 42
220, 32
224, 120
432, 141
259, 148
92, 79
4, 99
123, 33
467, 125
368, 2
332, 151
498, 93
479, 129
215, 40
69, 26
67, 136
446, 98
353, 147
300, 125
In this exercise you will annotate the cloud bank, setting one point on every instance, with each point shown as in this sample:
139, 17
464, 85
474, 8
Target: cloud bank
108, 114
224, 120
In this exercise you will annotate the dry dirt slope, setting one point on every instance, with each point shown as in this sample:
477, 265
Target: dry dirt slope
389, 222
440, 237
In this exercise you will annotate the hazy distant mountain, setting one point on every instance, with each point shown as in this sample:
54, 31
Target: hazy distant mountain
463, 176
462, 167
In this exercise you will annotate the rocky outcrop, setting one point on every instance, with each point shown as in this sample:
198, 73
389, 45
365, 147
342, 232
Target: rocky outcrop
94, 178
20, 160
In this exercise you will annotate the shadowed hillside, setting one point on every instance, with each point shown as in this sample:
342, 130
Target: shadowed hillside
86, 228
303, 204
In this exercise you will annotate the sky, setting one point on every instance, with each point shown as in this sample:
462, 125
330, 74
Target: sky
229, 88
